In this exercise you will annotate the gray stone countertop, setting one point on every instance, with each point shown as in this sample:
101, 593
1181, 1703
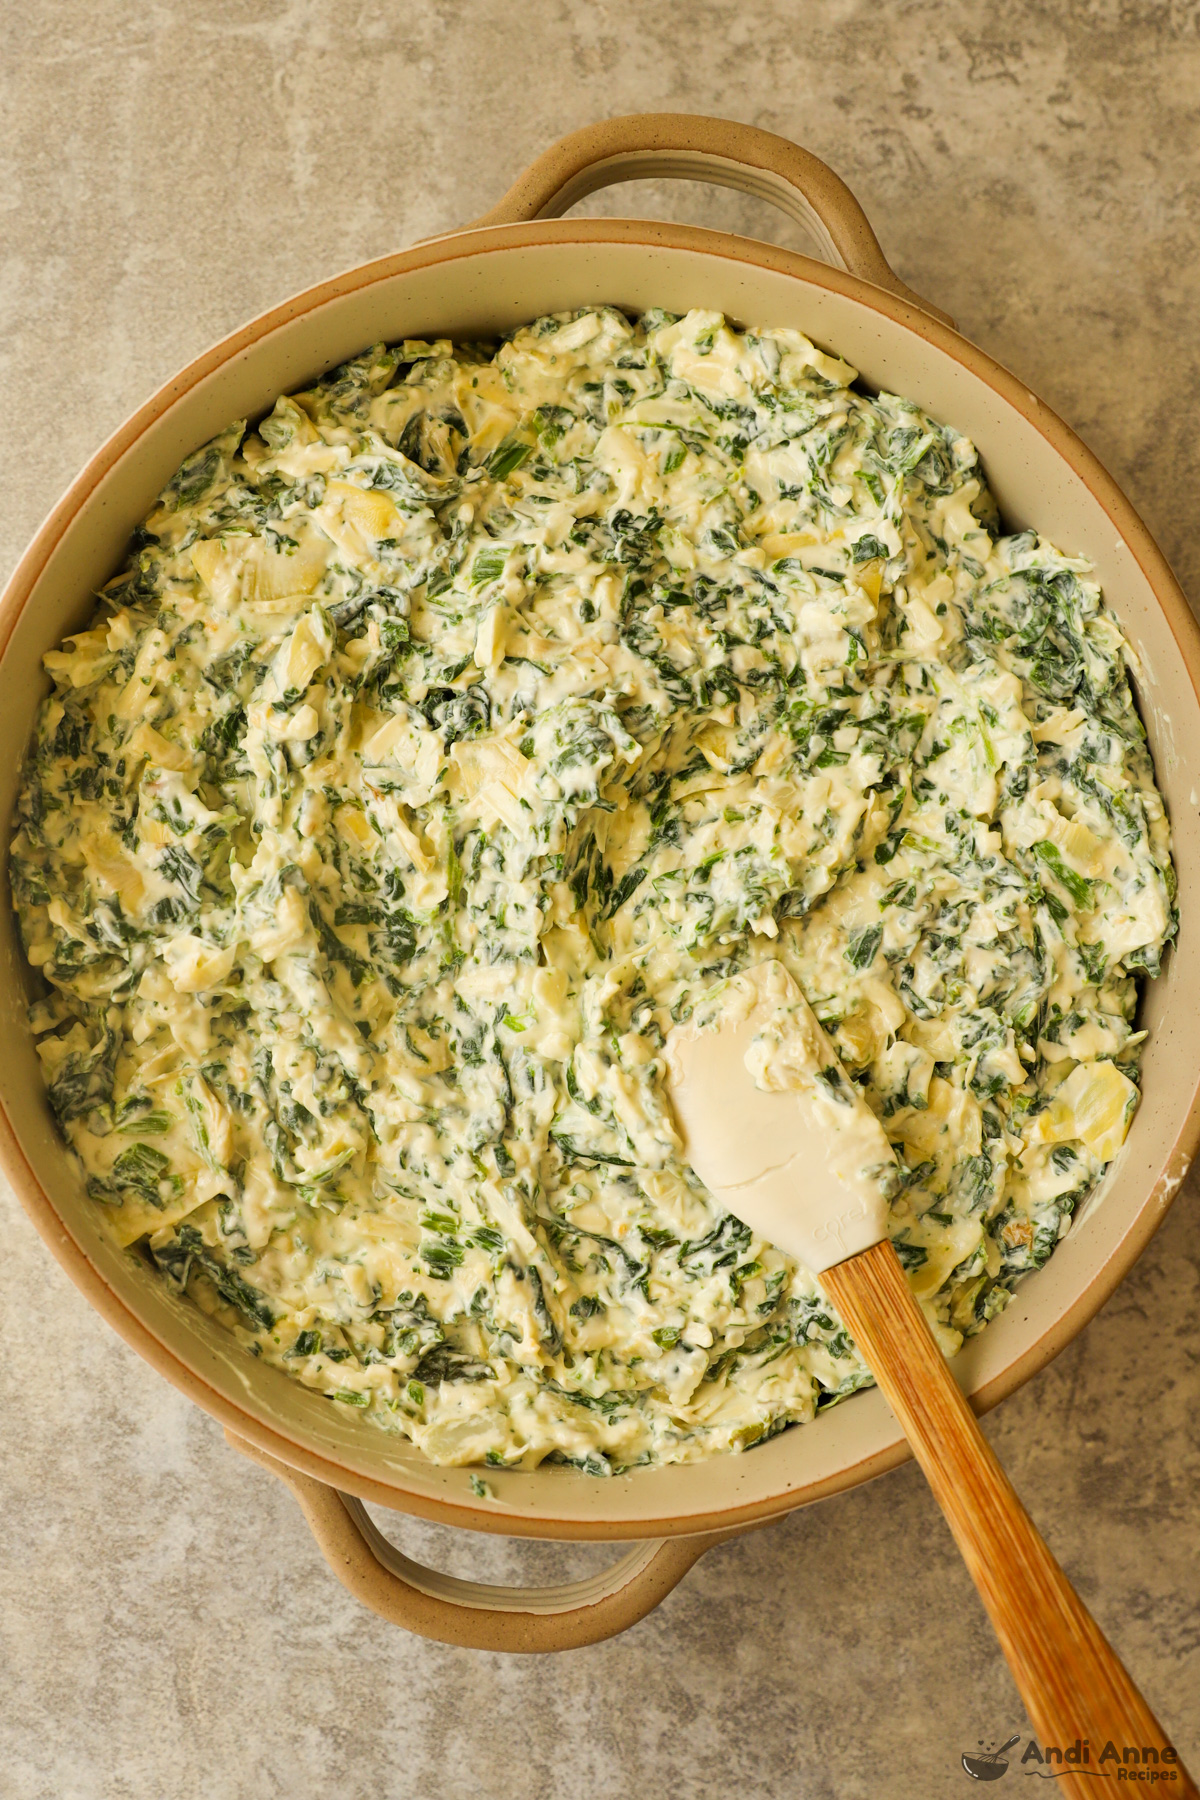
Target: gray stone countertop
169, 1631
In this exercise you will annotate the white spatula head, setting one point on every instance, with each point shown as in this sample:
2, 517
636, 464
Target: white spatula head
773, 1126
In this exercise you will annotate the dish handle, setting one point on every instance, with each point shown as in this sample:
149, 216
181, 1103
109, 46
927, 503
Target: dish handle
473, 1614
691, 147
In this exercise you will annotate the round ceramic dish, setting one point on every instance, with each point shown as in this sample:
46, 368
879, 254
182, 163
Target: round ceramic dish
519, 261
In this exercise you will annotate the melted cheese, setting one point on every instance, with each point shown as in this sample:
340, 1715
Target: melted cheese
447, 740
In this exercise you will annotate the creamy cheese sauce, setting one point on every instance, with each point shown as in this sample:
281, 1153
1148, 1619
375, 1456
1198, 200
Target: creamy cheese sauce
446, 739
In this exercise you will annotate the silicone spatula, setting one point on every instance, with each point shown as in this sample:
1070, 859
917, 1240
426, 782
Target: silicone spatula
783, 1138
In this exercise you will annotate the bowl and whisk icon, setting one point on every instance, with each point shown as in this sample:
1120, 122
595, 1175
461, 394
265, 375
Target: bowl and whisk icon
989, 1764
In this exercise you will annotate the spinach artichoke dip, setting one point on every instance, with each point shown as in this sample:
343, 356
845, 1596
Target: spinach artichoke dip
445, 739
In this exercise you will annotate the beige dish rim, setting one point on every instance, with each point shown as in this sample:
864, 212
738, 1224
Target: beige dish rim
1062, 441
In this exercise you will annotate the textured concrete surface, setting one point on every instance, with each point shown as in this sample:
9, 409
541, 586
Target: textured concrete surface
168, 1628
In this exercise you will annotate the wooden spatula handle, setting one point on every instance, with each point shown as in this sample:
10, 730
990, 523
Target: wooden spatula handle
1071, 1680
